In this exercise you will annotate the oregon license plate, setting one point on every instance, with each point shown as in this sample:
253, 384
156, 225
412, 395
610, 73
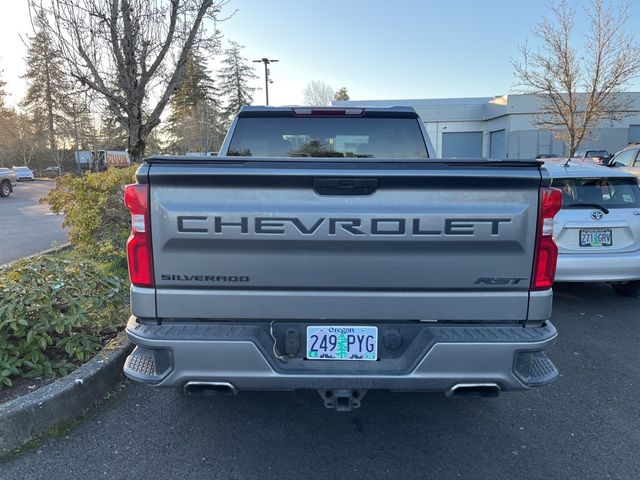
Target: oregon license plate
596, 237
342, 343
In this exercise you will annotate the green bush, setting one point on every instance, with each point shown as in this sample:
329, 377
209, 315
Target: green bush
98, 221
56, 311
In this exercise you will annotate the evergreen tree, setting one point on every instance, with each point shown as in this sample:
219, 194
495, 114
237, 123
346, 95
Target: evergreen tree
234, 79
342, 350
194, 123
341, 94
6, 125
47, 89
3, 93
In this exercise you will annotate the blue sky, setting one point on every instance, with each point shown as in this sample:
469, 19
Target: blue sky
391, 49
377, 49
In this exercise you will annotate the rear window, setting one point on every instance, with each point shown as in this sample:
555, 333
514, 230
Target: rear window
21, 169
597, 153
328, 137
605, 192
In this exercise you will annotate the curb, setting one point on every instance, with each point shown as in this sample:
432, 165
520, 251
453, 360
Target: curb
25, 417
59, 248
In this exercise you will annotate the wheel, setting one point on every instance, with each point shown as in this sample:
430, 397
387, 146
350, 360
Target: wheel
5, 189
627, 289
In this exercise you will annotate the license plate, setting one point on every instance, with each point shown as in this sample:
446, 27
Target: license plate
342, 343
596, 238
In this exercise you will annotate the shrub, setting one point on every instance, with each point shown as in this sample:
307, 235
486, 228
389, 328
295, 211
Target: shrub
94, 211
56, 311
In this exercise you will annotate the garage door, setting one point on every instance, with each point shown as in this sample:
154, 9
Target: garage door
462, 145
634, 133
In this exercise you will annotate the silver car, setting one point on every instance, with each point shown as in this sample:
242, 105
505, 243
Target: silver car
598, 229
7, 181
627, 159
23, 173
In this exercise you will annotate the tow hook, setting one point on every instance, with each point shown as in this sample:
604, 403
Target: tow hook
342, 400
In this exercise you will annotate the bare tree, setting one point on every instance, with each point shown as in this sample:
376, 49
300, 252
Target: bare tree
318, 93
131, 52
578, 91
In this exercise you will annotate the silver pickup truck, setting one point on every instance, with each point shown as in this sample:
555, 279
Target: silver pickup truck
7, 181
325, 249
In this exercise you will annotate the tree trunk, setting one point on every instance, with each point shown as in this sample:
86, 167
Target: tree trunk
136, 149
49, 100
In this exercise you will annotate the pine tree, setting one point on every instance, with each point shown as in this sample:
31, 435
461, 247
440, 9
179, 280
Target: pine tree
6, 124
47, 89
342, 350
234, 80
195, 123
341, 94
3, 93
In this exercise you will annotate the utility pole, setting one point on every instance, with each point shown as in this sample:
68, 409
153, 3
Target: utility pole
266, 62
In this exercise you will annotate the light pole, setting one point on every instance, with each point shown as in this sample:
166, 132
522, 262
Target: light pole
266, 62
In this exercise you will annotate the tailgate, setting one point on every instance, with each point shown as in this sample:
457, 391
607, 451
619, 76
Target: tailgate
372, 241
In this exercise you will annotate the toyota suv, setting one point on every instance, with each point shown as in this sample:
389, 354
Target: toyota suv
598, 228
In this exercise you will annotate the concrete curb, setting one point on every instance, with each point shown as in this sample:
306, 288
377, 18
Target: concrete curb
23, 418
59, 248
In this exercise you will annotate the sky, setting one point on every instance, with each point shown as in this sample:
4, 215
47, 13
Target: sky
377, 49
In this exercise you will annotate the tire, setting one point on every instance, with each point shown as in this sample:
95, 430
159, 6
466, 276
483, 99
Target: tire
5, 189
627, 289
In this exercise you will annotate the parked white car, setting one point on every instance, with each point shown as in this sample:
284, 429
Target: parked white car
627, 159
23, 173
598, 229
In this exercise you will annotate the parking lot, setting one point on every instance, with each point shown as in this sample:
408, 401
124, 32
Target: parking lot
584, 426
27, 226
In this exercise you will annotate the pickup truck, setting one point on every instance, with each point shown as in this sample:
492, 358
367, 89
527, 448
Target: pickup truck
326, 249
7, 181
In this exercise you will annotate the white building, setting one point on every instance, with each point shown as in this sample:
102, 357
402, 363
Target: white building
503, 127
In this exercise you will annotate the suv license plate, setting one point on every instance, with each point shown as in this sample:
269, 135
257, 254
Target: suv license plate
596, 238
342, 343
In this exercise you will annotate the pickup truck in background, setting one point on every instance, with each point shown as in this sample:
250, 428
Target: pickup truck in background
324, 248
8, 180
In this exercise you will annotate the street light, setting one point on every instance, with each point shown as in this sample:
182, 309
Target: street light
266, 62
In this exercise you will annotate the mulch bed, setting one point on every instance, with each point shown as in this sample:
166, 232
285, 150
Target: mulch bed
22, 386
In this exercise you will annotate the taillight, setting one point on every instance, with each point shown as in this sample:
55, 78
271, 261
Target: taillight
546, 254
139, 257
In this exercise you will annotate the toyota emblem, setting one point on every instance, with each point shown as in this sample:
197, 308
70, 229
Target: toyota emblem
597, 215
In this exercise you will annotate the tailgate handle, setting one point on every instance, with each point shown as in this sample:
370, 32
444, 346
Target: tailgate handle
345, 186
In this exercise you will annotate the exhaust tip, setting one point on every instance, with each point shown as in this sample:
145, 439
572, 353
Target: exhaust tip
474, 390
202, 389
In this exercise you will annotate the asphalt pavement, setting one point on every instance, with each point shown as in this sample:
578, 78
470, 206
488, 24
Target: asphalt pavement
584, 426
26, 226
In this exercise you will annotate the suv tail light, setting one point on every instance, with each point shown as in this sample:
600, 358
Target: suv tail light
139, 258
546, 254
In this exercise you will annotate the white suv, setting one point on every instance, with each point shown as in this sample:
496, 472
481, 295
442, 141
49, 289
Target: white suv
598, 229
627, 159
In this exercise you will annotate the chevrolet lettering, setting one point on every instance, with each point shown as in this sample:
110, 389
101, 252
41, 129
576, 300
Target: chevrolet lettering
330, 226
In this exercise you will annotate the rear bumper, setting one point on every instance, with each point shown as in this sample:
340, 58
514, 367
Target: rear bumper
430, 358
598, 267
